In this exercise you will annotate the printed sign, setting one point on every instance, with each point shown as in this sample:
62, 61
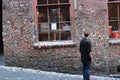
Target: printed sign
53, 26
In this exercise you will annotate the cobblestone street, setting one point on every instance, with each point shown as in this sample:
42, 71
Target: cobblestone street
17, 73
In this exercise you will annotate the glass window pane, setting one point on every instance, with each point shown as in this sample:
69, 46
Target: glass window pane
112, 10
65, 13
114, 25
58, 36
119, 11
53, 13
42, 14
52, 1
41, 2
43, 37
119, 25
52, 36
64, 1
66, 34
113, 0
43, 29
54, 30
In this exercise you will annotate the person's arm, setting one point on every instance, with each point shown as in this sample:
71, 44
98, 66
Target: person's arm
80, 46
89, 46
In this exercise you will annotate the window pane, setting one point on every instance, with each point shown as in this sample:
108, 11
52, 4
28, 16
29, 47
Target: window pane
52, 1
43, 36
65, 13
114, 25
119, 19
42, 14
119, 25
53, 12
43, 29
119, 12
113, 0
52, 36
64, 1
66, 33
113, 14
41, 2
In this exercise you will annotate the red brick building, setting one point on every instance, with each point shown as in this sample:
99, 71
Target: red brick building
45, 34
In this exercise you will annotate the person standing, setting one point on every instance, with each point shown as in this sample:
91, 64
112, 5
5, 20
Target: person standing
85, 49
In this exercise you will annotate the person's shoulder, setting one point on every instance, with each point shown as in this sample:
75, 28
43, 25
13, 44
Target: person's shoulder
82, 39
88, 40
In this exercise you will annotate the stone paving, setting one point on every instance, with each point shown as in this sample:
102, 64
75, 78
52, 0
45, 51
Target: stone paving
17, 73
1, 60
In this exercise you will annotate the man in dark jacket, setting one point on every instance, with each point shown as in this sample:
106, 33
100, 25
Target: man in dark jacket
85, 49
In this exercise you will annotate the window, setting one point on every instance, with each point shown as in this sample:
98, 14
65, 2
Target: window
114, 0
114, 17
54, 20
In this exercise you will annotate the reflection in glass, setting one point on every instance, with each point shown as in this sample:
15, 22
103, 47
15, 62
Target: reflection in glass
64, 1
52, 1
42, 14
41, 2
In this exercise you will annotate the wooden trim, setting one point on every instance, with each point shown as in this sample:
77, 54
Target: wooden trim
72, 17
118, 9
107, 15
35, 10
60, 4
70, 5
113, 2
113, 20
35, 18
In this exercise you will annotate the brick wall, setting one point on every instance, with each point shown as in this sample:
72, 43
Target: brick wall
20, 32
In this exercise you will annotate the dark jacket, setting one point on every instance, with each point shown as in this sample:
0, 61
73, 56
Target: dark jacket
85, 49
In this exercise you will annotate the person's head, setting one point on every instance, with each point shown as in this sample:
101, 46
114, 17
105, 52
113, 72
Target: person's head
86, 33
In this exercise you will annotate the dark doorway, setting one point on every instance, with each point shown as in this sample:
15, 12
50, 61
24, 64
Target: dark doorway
1, 29
1, 41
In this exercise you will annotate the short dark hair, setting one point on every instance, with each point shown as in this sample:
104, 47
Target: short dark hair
86, 34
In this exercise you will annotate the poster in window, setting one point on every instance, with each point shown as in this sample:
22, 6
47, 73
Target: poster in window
53, 26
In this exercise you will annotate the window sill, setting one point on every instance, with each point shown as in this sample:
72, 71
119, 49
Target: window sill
47, 44
114, 41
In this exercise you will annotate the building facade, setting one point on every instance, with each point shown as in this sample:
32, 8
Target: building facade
45, 34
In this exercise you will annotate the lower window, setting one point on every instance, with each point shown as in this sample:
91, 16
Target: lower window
54, 20
114, 19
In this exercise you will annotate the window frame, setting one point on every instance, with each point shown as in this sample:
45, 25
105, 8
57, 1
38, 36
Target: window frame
115, 39
37, 43
59, 34
114, 21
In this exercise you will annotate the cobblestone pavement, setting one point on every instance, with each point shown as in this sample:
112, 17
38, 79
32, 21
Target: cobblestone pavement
16, 73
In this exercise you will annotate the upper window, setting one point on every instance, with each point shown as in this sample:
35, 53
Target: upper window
113, 0
114, 18
54, 20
